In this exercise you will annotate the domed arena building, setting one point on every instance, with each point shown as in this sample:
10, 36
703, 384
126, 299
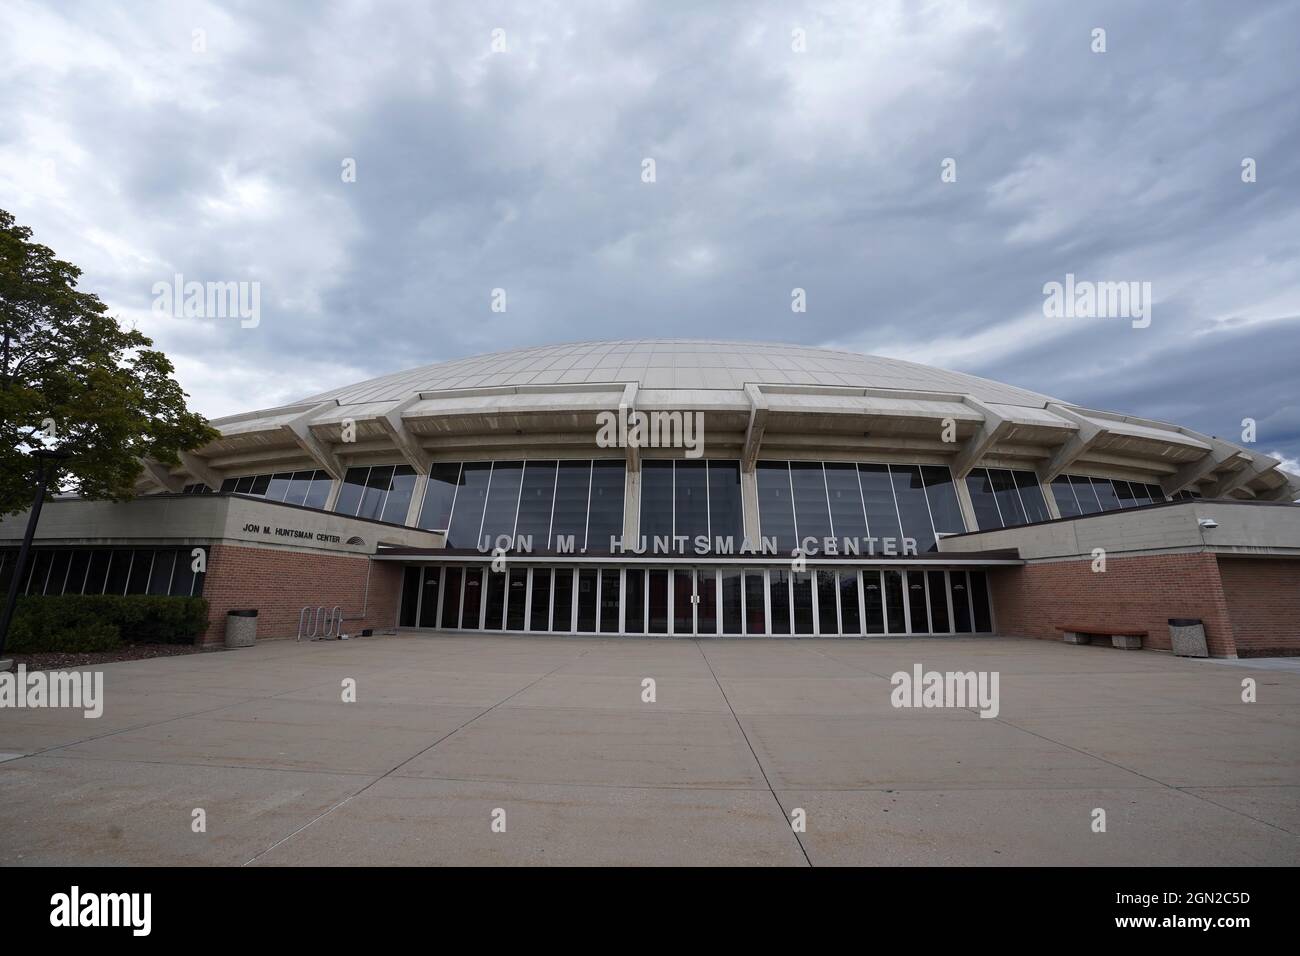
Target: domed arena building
701, 488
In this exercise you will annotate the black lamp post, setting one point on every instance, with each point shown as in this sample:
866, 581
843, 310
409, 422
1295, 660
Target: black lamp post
44, 457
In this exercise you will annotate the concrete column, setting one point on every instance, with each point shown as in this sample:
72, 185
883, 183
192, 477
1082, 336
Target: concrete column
964, 502
632, 506
749, 503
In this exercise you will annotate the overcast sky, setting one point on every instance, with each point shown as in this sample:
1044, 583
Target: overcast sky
139, 149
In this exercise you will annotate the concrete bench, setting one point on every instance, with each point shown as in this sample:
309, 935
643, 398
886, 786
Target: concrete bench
1084, 633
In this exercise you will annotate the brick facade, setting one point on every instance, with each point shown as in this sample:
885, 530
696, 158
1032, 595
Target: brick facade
1264, 600
1250, 606
280, 582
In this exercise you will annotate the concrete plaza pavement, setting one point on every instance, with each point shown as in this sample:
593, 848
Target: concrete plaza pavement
447, 729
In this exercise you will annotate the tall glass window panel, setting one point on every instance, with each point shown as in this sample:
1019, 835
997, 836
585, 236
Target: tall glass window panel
59, 572
572, 490
185, 581
502, 502
138, 582
451, 598
878, 498
983, 499
278, 489
96, 574
1063, 491
960, 592
656, 501
354, 486
778, 590
1124, 493
406, 616
496, 600
873, 597
850, 612
77, 573
439, 493
755, 606
296, 492
634, 601
160, 578
938, 589
894, 614
1086, 494
471, 496
691, 494
318, 492
1031, 496
1155, 494
587, 600
730, 602
260, 484
539, 613
1004, 486
941, 493
775, 510
378, 482
609, 601
471, 615
535, 501
1106, 494
398, 503
845, 496
827, 609
912, 507
812, 515
658, 602
608, 480
563, 614
916, 602
801, 587
706, 612
119, 570
979, 594
726, 512
429, 597
516, 599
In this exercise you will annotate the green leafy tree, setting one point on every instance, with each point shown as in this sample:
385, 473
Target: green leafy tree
65, 362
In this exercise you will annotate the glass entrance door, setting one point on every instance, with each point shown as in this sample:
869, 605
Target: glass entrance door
684, 601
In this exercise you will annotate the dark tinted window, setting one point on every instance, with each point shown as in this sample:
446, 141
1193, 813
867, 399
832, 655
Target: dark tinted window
878, 498
1063, 492
656, 500
846, 504
429, 600
400, 489
502, 502
942, 495
439, 493
1009, 504
691, 495
912, 507
1085, 494
634, 601
539, 615
410, 597
779, 596
775, 511
471, 496
608, 478
812, 515
1031, 496
535, 501
571, 495
726, 514
983, 499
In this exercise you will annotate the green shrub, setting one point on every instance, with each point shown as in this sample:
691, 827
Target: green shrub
100, 622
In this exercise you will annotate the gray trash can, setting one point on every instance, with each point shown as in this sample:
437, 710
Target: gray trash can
241, 628
1187, 637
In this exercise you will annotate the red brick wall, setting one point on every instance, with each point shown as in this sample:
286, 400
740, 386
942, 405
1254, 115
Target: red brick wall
1264, 598
280, 583
1140, 592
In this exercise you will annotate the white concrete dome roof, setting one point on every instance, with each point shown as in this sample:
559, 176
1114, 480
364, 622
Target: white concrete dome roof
762, 399
677, 364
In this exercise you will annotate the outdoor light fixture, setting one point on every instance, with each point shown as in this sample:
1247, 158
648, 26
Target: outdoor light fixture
1207, 523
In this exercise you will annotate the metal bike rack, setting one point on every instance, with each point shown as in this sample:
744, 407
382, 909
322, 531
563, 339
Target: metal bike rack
319, 624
